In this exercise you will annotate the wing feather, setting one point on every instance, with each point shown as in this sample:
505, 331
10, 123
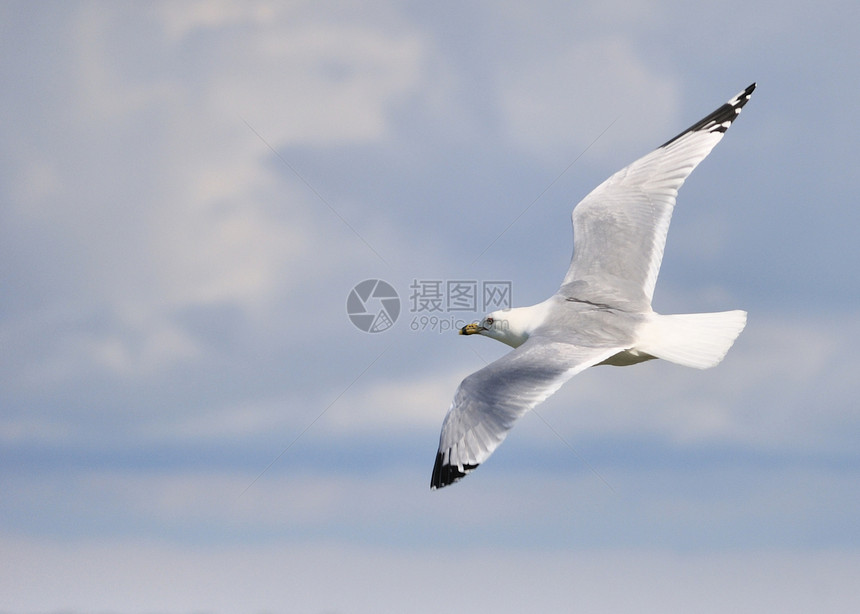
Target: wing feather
489, 401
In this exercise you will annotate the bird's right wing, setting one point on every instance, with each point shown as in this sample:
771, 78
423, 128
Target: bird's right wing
488, 402
619, 229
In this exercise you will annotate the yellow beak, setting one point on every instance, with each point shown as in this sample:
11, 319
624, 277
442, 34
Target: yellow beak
471, 329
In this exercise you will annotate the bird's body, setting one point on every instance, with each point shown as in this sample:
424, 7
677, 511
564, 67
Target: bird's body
602, 312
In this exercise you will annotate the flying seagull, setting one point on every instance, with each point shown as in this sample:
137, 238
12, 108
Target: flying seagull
602, 312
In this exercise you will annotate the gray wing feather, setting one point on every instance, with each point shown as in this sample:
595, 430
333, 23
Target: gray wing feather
620, 227
488, 402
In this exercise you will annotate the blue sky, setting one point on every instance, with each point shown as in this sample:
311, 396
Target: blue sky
189, 421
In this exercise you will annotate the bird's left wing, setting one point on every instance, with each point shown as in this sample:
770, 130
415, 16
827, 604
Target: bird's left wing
489, 401
620, 227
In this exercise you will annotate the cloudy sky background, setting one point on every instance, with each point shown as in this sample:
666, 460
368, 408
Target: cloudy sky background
190, 422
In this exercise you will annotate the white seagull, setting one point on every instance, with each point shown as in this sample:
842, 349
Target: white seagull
602, 312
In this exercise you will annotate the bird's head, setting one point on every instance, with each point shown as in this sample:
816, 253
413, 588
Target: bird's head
496, 325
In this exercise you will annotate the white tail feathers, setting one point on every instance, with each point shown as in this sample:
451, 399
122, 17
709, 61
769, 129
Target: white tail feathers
698, 340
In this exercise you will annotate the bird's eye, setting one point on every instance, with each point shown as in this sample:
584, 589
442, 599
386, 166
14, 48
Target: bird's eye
489, 321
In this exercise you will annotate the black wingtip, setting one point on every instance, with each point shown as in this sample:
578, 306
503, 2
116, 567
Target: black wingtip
719, 120
445, 474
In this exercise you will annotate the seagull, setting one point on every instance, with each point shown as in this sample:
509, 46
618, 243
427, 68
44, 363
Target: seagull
601, 313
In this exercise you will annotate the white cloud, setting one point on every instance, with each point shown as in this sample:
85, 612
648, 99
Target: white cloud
308, 494
388, 405
130, 576
182, 19
303, 79
162, 346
